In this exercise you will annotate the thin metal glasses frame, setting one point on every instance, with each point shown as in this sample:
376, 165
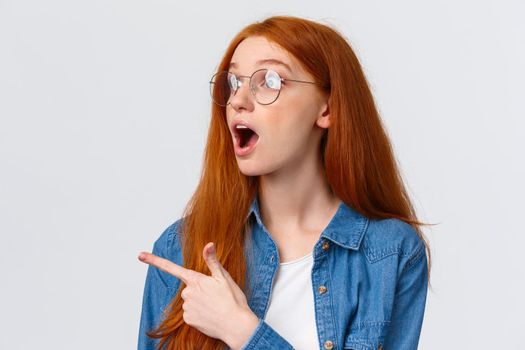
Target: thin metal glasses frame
252, 89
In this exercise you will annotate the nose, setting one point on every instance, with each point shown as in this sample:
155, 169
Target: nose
243, 97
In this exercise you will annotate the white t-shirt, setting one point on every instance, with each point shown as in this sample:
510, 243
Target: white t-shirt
291, 311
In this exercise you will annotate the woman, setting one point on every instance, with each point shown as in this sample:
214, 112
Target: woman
300, 233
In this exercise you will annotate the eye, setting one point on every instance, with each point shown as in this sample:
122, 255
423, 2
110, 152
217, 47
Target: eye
232, 81
272, 80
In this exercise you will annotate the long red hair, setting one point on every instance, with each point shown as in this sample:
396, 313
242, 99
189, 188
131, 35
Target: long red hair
358, 158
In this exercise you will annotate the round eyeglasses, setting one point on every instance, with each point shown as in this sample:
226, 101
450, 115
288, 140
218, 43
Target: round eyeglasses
265, 86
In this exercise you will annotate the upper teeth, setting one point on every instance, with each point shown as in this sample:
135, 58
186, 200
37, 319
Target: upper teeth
238, 126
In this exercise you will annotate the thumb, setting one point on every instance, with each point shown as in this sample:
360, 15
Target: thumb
210, 256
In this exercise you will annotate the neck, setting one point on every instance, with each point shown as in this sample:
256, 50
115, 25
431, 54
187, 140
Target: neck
297, 199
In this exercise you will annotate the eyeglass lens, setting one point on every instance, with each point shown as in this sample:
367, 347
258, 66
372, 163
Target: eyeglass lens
265, 84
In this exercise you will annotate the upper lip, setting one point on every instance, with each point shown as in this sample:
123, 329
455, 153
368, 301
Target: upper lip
236, 122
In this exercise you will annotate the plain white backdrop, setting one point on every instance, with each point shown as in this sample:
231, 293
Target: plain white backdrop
104, 110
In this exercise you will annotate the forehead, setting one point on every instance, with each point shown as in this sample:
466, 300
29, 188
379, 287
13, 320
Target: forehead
254, 52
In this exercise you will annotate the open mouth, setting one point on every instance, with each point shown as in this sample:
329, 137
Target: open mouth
244, 136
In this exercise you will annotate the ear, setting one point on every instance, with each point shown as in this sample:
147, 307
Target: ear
323, 121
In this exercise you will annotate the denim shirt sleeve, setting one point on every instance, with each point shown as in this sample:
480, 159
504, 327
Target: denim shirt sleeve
265, 337
409, 303
155, 297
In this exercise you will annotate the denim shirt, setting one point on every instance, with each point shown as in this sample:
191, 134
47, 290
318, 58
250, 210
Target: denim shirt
369, 280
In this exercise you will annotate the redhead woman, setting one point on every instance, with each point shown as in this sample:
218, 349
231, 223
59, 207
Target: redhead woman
300, 233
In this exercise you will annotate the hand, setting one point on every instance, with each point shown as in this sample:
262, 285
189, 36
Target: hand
215, 304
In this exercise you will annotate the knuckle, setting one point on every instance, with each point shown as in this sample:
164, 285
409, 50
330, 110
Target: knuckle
194, 279
186, 293
187, 318
200, 282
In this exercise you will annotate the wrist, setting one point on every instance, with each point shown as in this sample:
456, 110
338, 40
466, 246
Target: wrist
243, 328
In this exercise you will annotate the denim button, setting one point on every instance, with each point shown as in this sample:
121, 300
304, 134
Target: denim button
322, 289
328, 344
326, 245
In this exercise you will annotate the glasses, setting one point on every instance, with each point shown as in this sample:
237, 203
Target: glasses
265, 86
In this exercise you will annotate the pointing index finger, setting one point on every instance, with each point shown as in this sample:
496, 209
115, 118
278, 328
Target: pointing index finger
167, 266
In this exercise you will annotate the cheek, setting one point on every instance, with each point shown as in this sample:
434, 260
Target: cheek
289, 133
292, 124
229, 115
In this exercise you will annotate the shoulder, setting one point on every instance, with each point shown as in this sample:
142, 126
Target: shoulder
168, 235
387, 237
167, 245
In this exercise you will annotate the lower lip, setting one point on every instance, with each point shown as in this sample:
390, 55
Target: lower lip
247, 149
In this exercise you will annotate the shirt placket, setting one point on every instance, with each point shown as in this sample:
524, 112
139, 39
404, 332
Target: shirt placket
324, 312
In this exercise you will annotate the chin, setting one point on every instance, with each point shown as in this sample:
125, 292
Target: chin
250, 171
252, 168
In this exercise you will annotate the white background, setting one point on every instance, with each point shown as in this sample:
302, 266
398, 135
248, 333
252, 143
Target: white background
104, 111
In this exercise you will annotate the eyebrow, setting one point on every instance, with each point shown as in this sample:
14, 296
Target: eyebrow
266, 61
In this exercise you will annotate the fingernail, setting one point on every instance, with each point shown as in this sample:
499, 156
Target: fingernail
212, 248
142, 256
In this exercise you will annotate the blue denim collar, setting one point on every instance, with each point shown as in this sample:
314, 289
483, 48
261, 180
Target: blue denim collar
346, 228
